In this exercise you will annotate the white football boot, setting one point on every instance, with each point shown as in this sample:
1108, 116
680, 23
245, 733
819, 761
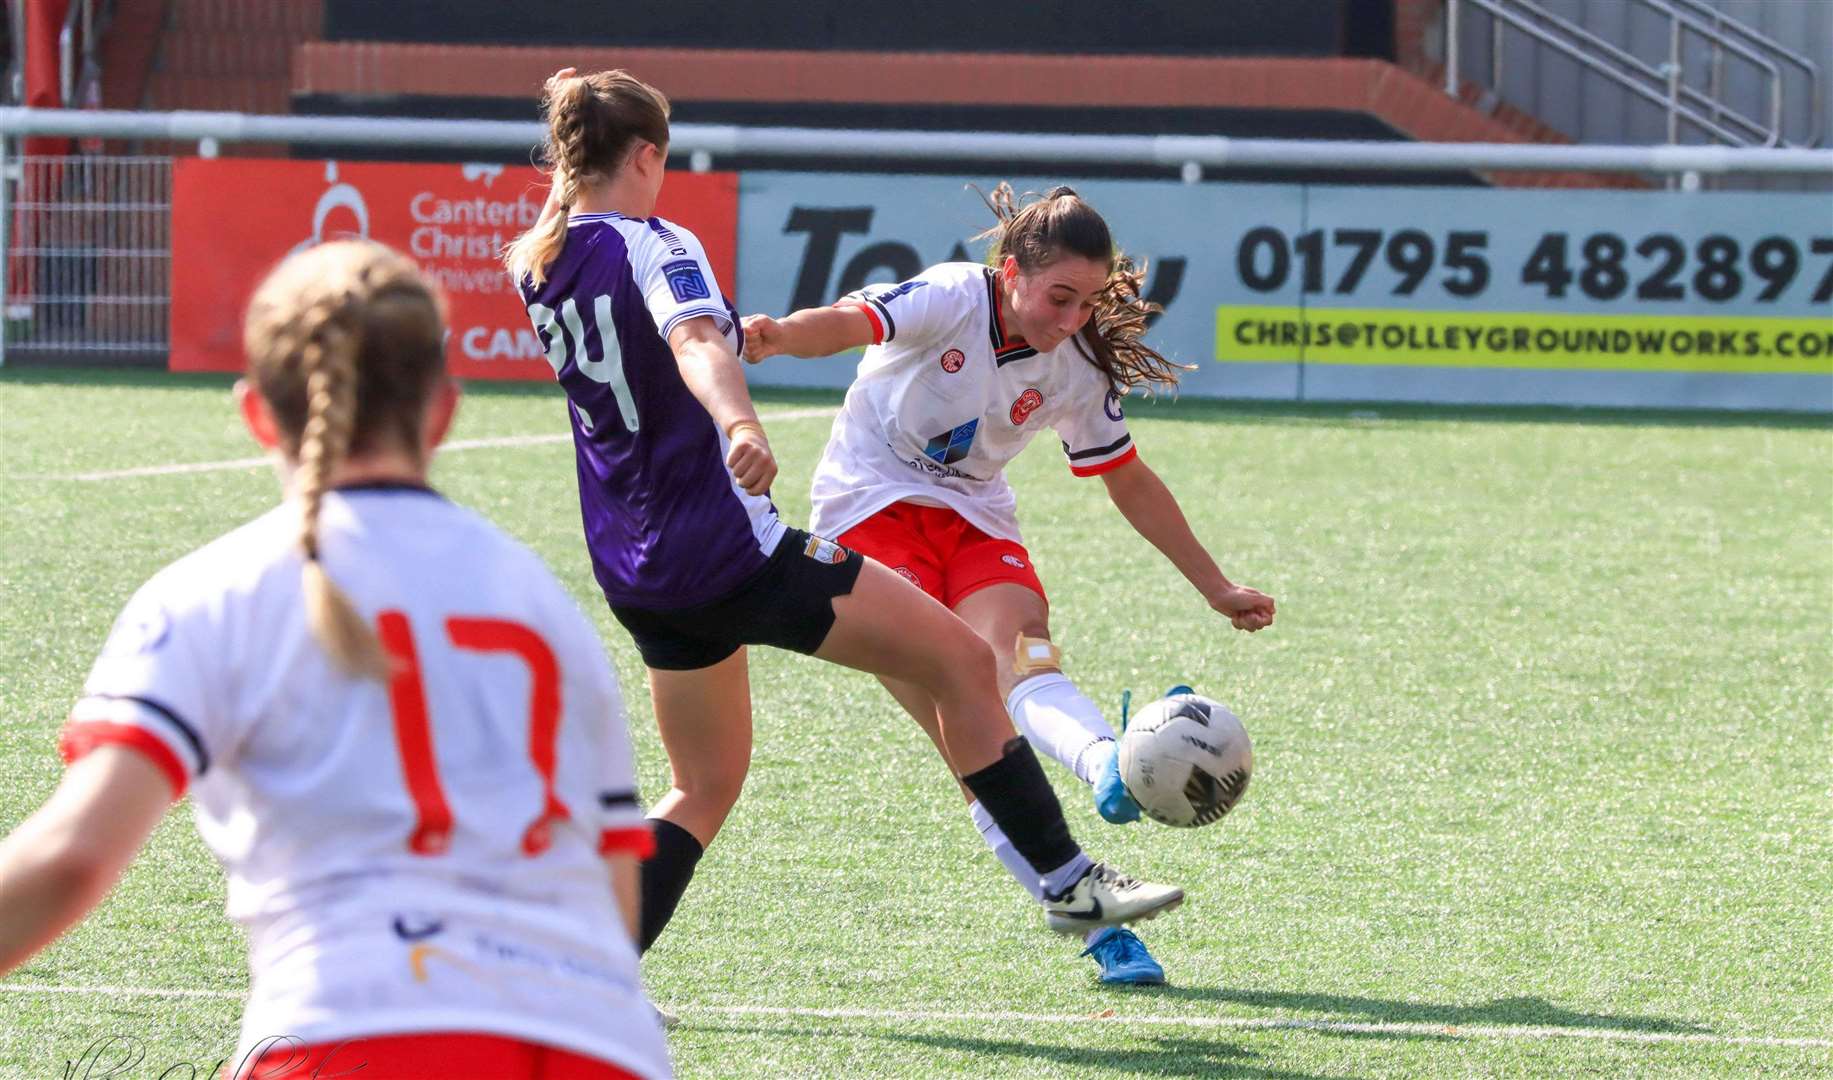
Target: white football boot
1106, 897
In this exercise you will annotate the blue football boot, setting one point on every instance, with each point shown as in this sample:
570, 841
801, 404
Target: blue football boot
1180, 688
1123, 958
1112, 800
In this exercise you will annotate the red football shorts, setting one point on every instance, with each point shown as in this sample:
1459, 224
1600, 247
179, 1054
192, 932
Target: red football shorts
937, 550
440, 1056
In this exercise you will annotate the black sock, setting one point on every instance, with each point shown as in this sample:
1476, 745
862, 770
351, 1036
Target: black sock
664, 877
1018, 795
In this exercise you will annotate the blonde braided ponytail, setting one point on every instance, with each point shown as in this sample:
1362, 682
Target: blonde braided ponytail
344, 343
328, 361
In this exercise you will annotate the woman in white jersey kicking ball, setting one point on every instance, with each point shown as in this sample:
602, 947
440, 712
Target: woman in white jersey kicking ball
402, 738
964, 365
674, 475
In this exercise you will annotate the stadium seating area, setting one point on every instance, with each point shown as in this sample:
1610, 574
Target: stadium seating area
1313, 68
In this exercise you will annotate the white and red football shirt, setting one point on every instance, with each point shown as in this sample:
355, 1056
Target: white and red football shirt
422, 855
945, 398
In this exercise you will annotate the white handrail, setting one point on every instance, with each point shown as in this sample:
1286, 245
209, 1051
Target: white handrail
1663, 85
1721, 24
701, 141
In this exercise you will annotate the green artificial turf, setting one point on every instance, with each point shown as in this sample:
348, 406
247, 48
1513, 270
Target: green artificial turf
1544, 778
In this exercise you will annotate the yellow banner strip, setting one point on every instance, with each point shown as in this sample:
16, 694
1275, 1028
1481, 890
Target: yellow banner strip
1488, 339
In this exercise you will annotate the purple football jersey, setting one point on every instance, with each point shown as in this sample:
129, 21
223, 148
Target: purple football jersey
666, 524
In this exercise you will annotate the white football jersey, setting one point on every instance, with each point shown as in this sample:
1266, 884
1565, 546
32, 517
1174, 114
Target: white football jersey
944, 399
418, 856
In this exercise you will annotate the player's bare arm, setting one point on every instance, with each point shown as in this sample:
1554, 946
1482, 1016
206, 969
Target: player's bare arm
821, 331
60, 862
1148, 505
710, 369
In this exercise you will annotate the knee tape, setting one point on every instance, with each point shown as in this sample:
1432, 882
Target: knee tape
1035, 654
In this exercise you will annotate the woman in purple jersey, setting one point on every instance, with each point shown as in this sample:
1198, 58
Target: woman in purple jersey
674, 473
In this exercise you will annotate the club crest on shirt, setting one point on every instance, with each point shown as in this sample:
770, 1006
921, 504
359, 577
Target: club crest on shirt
686, 281
1026, 404
1112, 406
952, 360
824, 551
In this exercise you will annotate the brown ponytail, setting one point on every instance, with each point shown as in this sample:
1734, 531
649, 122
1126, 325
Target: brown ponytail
1036, 233
593, 122
345, 343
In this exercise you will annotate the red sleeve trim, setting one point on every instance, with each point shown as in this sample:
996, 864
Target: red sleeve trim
1106, 466
638, 840
80, 738
878, 327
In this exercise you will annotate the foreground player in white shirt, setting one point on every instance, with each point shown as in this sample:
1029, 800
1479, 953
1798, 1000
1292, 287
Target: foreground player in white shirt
964, 365
402, 738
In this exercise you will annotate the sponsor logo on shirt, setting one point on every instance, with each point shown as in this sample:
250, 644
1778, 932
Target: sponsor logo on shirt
1026, 404
420, 952
892, 294
417, 927
686, 281
930, 467
1112, 406
952, 360
824, 551
952, 445
1013, 561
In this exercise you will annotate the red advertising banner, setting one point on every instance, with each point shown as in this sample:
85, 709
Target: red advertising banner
233, 220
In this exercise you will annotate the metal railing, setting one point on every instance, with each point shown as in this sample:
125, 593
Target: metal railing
1782, 54
88, 268
1662, 85
77, 68
703, 143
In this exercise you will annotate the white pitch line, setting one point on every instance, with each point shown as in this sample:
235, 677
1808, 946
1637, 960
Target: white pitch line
118, 991
1106, 1016
497, 442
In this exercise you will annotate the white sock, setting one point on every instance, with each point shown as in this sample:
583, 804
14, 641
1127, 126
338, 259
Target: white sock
1008, 857
1058, 719
1058, 881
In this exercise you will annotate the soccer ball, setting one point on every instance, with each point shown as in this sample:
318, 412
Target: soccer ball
1185, 760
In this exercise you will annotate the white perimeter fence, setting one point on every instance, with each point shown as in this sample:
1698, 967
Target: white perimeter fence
87, 238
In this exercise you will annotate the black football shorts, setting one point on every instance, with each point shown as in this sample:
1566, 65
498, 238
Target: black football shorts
789, 604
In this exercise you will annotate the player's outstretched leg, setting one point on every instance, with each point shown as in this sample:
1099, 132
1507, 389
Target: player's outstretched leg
1118, 965
889, 627
1049, 710
1045, 706
1123, 959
